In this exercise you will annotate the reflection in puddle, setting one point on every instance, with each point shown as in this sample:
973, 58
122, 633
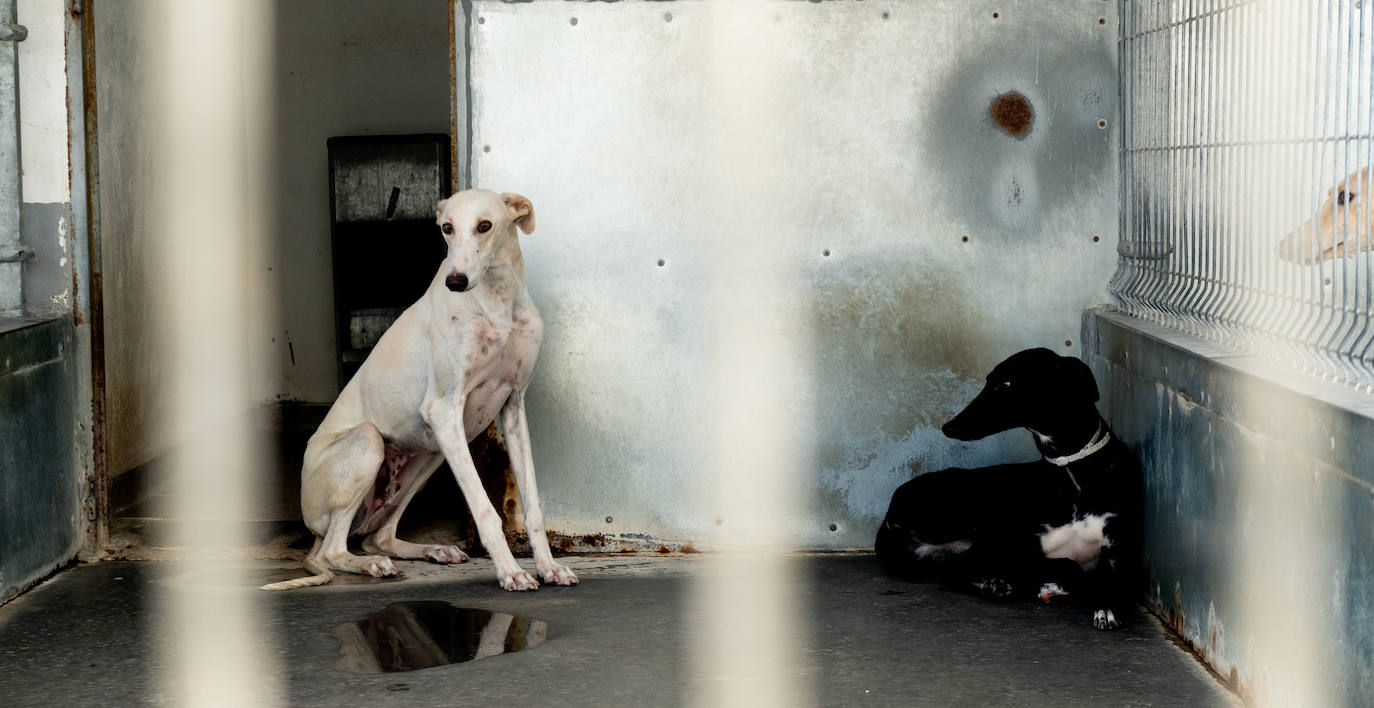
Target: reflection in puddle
405, 636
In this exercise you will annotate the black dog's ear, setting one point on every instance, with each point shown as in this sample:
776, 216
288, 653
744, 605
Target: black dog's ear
1078, 378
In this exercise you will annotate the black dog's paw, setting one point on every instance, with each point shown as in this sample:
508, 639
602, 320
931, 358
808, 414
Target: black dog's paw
1049, 591
994, 588
1105, 619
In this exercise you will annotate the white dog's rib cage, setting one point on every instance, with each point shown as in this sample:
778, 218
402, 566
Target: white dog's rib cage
1240, 116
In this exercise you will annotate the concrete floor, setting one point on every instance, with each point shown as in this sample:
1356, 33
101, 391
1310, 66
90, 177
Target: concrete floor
88, 637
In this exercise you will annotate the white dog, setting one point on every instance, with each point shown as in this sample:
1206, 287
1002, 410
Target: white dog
450, 364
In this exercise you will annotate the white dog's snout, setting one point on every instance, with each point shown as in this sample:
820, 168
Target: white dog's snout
457, 282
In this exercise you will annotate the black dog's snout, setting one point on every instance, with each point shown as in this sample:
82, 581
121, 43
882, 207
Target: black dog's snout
457, 282
956, 430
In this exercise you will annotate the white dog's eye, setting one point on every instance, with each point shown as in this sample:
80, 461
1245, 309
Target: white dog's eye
483, 226
448, 228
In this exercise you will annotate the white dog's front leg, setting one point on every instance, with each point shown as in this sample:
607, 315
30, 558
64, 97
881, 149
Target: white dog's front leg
516, 431
447, 424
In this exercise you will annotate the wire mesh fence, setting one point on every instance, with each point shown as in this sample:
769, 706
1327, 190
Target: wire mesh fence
1247, 153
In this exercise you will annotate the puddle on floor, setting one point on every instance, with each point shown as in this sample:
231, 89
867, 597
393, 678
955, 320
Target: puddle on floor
406, 636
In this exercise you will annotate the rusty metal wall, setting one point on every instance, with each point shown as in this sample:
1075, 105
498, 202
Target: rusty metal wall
1258, 509
939, 184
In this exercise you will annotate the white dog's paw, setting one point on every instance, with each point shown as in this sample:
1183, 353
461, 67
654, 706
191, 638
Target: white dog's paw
1104, 619
557, 574
378, 567
1049, 590
518, 580
445, 554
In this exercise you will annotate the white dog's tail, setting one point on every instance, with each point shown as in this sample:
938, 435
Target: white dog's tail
308, 581
321, 575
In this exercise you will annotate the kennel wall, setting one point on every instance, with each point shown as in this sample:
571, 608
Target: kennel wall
834, 216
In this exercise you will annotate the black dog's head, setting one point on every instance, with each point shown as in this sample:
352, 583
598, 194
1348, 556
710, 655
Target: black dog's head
1034, 389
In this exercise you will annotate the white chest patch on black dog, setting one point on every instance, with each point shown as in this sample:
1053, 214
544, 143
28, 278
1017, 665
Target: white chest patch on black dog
1081, 540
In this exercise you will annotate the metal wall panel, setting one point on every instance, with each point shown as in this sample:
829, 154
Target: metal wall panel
40, 509
1256, 477
900, 240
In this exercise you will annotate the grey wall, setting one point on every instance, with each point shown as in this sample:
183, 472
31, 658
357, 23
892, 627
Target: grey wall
1259, 513
127, 137
340, 67
648, 131
356, 67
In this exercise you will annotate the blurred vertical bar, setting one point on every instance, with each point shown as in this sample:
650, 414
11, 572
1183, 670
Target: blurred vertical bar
746, 653
211, 101
1288, 623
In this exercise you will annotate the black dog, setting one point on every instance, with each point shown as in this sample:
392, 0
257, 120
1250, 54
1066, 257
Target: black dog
1069, 522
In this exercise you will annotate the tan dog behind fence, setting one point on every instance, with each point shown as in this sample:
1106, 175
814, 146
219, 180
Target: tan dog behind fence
1343, 226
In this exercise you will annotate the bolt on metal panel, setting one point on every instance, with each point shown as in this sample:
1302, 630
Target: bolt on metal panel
848, 211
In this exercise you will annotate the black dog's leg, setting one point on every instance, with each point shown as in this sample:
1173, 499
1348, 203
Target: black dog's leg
1013, 569
1106, 589
1111, 590
931, 527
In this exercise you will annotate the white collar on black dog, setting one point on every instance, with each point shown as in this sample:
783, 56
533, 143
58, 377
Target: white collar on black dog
1099, 441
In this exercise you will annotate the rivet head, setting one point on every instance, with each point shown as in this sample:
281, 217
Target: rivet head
661, 262
826, 253
486, 148
834, 527
573, 22
667, 17
481, 20
609, 519
1102, 123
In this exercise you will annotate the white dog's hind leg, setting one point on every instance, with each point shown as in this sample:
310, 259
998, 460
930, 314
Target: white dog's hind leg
384, 540
446, 421
515, 428
337, 481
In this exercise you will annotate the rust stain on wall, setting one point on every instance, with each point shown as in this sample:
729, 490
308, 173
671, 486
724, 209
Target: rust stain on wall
1175, 621
1012, 113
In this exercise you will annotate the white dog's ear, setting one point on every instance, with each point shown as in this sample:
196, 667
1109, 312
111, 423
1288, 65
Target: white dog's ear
521, 211
439, 210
